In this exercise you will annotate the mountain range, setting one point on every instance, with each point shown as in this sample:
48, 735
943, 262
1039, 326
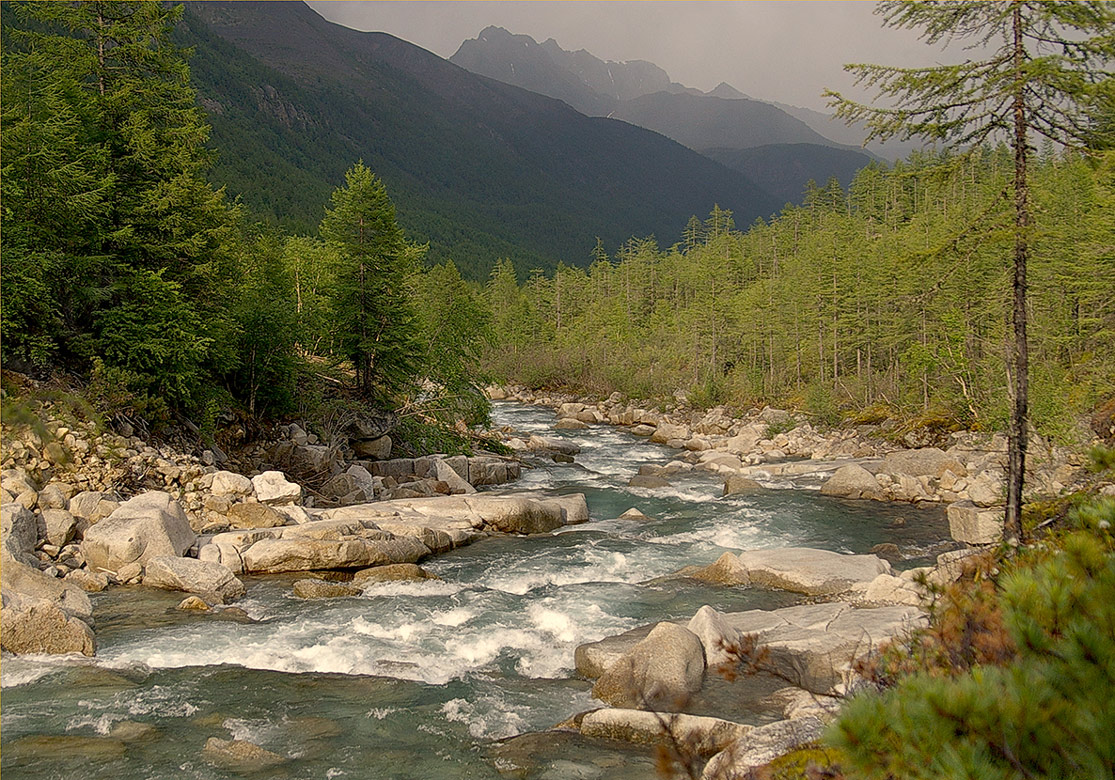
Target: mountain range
478, 168
643, 94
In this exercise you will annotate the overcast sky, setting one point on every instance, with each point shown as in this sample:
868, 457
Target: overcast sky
784, 51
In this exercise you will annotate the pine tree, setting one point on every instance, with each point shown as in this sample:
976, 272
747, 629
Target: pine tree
1045, 76
372, 281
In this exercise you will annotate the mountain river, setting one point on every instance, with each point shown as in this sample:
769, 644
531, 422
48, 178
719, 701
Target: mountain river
428, 680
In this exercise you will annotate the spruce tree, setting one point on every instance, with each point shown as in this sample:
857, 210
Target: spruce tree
371, 295
1044, 76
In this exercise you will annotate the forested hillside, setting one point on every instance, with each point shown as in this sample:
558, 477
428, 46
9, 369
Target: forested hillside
126, 271
479, 169
894, 296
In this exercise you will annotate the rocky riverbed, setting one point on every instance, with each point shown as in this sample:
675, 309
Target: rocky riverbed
698, 523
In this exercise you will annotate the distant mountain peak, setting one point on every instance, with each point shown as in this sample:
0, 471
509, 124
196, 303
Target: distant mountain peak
728, 92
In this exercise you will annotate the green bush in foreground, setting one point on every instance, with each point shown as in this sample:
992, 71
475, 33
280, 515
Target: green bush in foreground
1049, 714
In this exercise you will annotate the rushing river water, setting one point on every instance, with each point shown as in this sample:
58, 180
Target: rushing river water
423, 680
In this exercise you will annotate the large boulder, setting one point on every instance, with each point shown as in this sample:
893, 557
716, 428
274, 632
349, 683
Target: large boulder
212, 581
552, 444
60, 526
666, 432
727, 570
25, 585
44, 628
228, 483
445, 473
851, 481
251, 514
392, 572
927, 462
661, 672
323, 589
142, 528
706, 736
975, 525
21, 530
272, 487
715, 633
378, 448
808, 571
761, 746
737, 485
273, 556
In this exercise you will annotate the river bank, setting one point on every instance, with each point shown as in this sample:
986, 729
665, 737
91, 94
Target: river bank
483, 642
966, 473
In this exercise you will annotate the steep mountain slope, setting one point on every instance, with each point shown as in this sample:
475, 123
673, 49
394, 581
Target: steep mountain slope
703, 122
778, 147
784, 169
478, 168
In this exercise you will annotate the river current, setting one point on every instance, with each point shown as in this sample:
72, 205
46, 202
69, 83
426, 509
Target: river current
429, 679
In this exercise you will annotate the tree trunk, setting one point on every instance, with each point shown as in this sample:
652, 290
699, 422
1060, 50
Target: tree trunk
1018, 368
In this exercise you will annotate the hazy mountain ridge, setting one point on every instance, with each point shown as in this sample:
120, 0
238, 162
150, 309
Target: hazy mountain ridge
642, 94
478, 168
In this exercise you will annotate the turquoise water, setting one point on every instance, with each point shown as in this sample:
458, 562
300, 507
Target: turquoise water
430, 679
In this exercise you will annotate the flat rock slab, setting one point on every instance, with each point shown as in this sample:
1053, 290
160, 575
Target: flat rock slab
707, 736
812, 644
808, 571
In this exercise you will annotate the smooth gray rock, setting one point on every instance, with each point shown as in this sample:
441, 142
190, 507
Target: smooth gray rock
808, 571
661, 672
445, 473
761, 746
212, 581
376, 449
727, 570
392, 572
851, 481
254, 515
322, 589
715, 633
975, 525
927, 461
142, 528
228, 483
706, 736
272, 487
737, 485
273, 556
26, 585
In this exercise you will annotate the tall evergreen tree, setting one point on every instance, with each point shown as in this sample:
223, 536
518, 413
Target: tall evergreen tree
371, 296
1044, 76
106, 203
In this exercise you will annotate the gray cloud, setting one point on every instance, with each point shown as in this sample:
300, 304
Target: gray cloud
784, 51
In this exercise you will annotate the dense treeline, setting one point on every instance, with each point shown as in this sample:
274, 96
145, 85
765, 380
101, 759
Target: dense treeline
893, 294
124, 266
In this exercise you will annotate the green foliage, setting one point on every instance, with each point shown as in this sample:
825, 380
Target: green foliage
454, 330
892, 297
1047, 714
114, 245
371, 281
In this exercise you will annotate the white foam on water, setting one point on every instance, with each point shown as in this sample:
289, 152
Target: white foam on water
486, 719
416, 588
379, 713
452, 618
257, 730
101, 724
26, 669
